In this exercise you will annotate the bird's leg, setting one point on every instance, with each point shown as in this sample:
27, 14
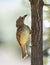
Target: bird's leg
30, 31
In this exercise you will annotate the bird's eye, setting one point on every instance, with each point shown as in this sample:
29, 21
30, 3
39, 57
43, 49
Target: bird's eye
22, 17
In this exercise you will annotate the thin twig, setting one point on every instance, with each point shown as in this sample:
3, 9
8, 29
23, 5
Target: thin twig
46, 4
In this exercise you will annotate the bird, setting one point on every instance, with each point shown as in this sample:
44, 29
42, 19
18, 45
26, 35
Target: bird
22, 34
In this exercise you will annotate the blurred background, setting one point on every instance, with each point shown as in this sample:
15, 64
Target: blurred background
10, 51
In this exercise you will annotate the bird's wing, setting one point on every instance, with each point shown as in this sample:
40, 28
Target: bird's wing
18, 35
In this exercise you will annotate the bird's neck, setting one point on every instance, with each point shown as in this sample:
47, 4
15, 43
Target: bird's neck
21, 26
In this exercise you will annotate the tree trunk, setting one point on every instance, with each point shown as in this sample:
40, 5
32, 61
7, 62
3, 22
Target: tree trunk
37, 29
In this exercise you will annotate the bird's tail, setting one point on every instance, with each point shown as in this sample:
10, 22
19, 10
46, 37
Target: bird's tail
24, 53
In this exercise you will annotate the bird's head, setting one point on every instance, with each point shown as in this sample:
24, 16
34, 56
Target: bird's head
20, 21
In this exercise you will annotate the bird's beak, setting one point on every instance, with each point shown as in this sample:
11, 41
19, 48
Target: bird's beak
24, 16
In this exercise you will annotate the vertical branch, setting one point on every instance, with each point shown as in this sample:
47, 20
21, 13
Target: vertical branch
36, 37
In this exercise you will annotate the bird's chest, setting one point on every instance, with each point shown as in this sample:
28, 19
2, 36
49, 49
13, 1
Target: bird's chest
23, 35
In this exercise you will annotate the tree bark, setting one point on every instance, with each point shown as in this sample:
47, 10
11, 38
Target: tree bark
37, 32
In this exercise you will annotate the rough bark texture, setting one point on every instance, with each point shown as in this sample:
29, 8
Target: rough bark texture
36, 15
